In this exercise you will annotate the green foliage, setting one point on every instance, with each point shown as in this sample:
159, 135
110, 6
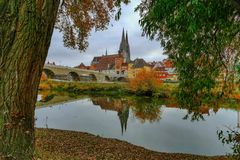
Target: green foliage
114, 89
195, 34
147, 109
231, 137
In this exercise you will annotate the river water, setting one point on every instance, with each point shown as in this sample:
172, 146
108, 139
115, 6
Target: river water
154, 124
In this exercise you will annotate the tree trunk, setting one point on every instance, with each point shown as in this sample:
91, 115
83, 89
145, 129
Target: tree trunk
26, 28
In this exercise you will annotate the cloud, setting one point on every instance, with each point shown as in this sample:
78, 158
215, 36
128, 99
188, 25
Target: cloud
140, 47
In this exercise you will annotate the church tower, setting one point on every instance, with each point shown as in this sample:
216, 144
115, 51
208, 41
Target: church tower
127, 49
124, 48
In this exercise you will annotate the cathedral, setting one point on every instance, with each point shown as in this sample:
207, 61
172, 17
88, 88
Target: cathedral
124, 48
115, 63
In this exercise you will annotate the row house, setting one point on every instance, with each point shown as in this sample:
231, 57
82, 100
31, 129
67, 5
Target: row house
165, 71
137, 65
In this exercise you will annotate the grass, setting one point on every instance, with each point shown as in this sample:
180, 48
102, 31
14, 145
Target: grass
110, 89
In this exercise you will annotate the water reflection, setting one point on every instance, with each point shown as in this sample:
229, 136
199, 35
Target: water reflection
152, 123
46, 98
144, 109
123, 117
231, 136
114, 104
238, 115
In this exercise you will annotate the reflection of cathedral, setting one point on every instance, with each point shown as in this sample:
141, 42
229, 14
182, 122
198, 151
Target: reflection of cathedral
117, 105
123, 117
238, 124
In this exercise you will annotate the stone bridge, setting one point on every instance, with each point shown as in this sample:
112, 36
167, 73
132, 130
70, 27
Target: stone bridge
75, 74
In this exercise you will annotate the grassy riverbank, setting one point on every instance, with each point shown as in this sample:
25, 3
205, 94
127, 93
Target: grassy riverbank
69, 145
110, 89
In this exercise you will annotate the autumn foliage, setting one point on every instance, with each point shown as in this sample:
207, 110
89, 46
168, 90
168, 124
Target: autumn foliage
43, 76
145, 82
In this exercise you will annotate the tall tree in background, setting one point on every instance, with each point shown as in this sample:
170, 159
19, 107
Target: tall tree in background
195, 35
26, 28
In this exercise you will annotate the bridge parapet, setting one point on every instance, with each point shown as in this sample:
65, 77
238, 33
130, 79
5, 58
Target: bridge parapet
69, 73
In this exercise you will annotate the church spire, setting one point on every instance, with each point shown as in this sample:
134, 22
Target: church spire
127, 38
123, 35
127, 48
123, 42
124, 48
106, 53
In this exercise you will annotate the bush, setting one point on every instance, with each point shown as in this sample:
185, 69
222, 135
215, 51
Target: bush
43, 76
145, 83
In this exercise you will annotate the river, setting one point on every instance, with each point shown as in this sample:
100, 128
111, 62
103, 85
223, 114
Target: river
158, 125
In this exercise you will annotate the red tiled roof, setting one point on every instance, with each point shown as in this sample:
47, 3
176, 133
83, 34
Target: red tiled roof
95, 60
124, 64
107, 62
80, 66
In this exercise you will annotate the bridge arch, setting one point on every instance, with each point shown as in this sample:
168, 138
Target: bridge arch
122, 79
73, 76
107, 78
93, 77
49, 73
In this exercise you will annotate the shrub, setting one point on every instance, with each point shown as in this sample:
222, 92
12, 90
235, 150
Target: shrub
145, 82
43, 76
44, 86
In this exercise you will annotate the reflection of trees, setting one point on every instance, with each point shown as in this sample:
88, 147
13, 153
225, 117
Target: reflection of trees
196, 114
146, 110
232, 138
52, 97
46, 98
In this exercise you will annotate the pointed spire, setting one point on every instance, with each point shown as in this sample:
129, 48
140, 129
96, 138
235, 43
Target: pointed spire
123, 35
127, 38
106, 52
128, 49
123, 41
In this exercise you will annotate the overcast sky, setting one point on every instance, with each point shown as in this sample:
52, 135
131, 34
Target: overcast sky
140, 47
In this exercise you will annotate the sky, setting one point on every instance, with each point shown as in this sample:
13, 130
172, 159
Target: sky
141, 47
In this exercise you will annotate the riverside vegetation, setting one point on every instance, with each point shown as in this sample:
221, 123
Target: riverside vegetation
114, 89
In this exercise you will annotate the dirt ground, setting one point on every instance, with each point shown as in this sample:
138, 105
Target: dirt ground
68, 145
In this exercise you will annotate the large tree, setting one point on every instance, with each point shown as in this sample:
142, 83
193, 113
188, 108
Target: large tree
26, 28
196, 35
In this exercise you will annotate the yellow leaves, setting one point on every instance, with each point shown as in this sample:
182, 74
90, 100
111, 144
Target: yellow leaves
43, 76
145, 81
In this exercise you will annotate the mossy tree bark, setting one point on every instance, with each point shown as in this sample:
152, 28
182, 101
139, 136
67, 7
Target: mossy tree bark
26, 28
